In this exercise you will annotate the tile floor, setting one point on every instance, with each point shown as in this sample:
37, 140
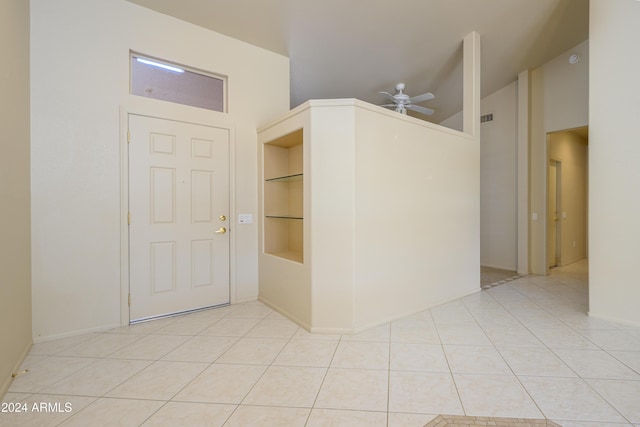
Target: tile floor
524, 349
490, 277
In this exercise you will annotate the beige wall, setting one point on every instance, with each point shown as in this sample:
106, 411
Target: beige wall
80, 80
558, 101
15, 241
571, 150
498, 180
417, 216
391, 222
614, 155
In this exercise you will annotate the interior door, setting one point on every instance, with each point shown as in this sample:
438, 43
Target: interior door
553, 218
179, 208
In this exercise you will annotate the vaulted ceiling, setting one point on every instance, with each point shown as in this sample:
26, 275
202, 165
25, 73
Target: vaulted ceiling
357, 48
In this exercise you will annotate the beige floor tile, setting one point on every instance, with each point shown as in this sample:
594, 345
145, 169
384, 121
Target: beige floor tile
423, 392
53, 347
253, 351
30, 360
190, 414
629, 358
499, 318
187, 325
563, 338
159, 381
201, 349
48, 372
42, 410
151, 347
222, 384
408, 420
98, 378
596, 364
312, 353
565, 423
569, 399
342, 418
580, 320
356, 389
613, 340
539, 320
535, 362
14, 397
101, 345
480, 301
273, 328
407, 351
302, 334
250, 310
623, 395
287, 386
147, 327
475, 360
361, 355
231, 327
379, 333
495, 396
418, 317
418, 357
462, 335
516, 336
411, 332
267, 416
452, 313
114, 412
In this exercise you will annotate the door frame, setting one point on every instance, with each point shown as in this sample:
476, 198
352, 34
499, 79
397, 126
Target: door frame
558, 199
166, 111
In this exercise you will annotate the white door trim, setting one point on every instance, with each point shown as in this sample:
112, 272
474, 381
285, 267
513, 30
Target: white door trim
162, 110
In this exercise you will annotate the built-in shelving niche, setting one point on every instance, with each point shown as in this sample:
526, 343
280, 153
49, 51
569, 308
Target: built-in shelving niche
283, 197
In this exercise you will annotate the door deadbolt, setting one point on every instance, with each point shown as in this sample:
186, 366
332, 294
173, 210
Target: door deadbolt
223, 218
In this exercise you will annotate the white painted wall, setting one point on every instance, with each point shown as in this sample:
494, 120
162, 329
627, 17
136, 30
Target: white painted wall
391, 221
559, 100
79, 80
614, 154
498, 179
15, 257
417, 216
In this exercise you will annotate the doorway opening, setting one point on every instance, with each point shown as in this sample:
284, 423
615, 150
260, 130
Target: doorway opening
567, 197
554, 207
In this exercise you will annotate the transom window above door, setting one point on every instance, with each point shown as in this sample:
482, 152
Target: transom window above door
166, 81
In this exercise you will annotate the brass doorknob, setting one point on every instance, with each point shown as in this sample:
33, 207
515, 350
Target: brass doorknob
221, 230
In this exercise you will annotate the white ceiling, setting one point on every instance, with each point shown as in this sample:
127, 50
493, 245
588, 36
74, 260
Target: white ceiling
357, 48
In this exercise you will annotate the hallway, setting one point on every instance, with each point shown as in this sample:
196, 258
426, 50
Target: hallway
522, 349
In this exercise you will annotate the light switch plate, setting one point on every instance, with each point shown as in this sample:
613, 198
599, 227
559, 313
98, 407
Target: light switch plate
245, 218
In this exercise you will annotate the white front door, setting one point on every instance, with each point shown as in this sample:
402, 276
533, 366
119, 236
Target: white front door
179, 216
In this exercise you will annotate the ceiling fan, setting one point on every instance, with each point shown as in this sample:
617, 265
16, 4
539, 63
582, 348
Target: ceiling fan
403, 102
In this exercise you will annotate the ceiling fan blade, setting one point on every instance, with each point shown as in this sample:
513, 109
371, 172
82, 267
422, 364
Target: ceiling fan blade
424, 97
388, 96
419, 109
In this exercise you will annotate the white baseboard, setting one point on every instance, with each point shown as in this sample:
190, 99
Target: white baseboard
46, 338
